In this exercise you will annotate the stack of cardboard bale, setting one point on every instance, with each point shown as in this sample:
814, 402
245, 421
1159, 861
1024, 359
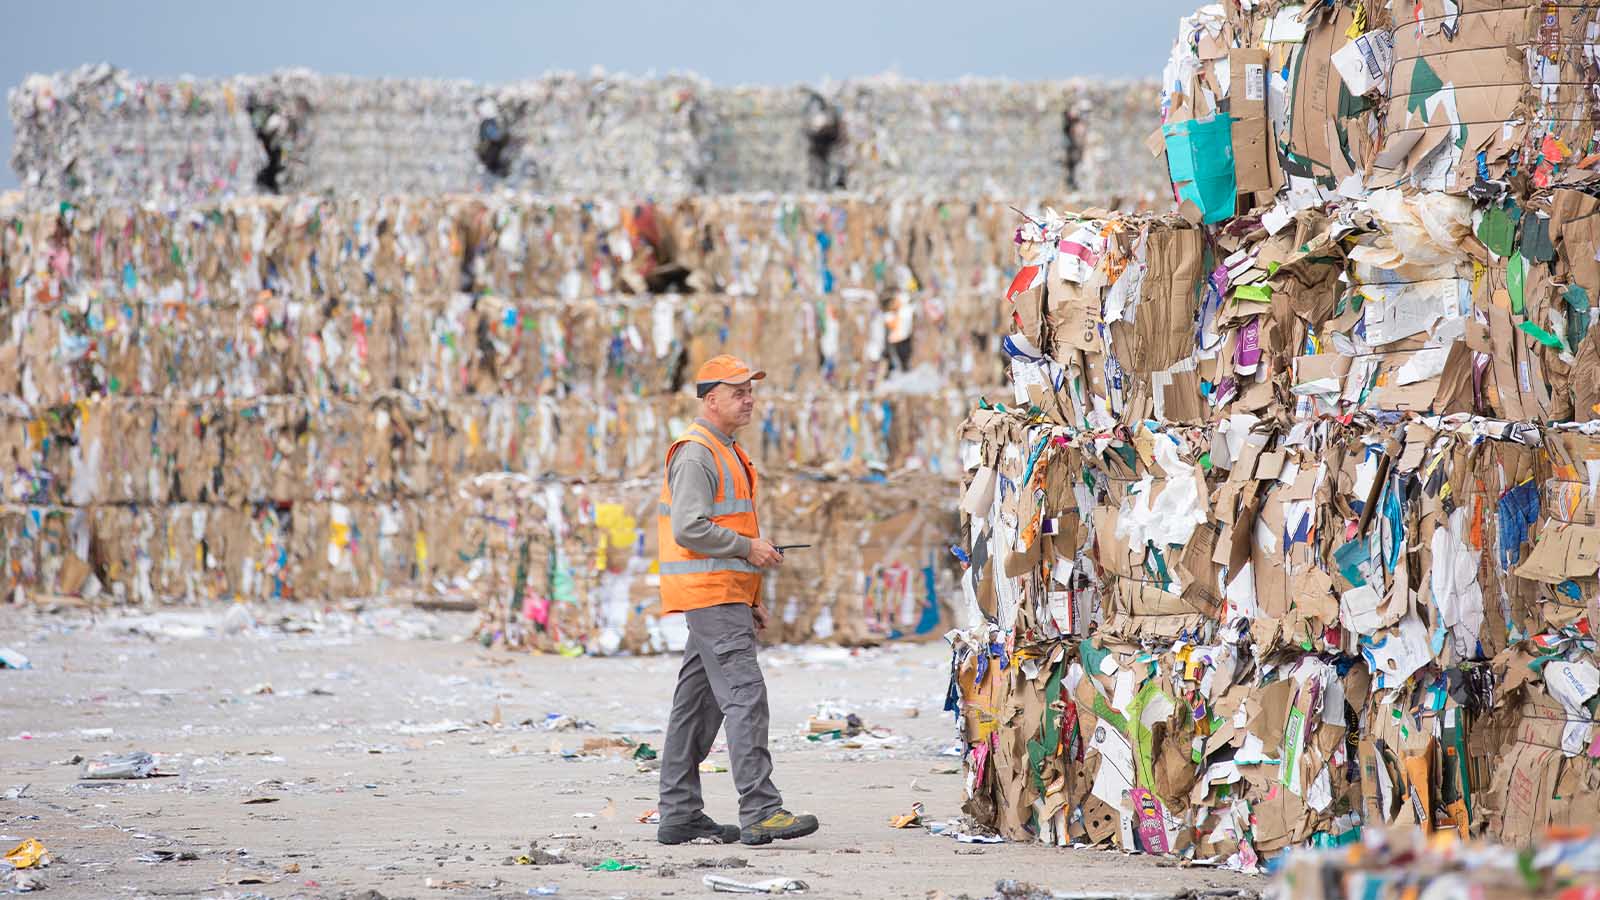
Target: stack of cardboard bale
960, 138
100, 133
469, 398
890, 136
1289, 528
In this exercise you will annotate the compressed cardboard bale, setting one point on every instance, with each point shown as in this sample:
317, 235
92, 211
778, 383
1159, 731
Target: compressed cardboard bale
260, 542
901, 545
118, 557
1407, 549
19, 551
99, 131
562, 133
532, 581
62, 542
625, 593
904, 136
283, 412
760, 139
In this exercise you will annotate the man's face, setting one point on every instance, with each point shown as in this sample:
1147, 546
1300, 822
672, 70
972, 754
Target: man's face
732, 405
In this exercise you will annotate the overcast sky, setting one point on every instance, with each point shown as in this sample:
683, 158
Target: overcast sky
727, 41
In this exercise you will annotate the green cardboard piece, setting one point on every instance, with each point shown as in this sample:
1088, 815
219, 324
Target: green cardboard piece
1497, 231
1050, 735
1256, 293
1577, 297
1577, 300
1516, 270
1536, 244
1540, 335
1424, 84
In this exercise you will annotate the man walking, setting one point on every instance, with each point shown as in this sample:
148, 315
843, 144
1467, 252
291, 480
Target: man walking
712, 556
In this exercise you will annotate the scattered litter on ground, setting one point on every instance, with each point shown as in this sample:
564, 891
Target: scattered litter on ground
138, 764
966, 831
27, 855
163, 856
912, 819
821, 728
442, 727
561, 722
614, 865
25, 882
538, 856
723, 862
727, 885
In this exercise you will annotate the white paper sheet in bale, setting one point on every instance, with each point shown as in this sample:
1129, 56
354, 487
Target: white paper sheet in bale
1399, 310
1454, 583
1573, 683
1115, 776
1364, 63
1397, 653
1172, 517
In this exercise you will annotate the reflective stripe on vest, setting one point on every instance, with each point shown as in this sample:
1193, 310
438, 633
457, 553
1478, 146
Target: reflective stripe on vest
725, 508
696, 566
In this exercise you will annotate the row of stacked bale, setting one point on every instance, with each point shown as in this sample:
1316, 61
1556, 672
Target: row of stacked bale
467, 399
103, 133
1290, 526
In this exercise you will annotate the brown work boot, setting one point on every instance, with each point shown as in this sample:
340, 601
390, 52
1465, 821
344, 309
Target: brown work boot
781, 825
703, 827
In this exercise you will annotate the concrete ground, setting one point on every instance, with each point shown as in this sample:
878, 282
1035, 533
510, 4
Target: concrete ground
353, 753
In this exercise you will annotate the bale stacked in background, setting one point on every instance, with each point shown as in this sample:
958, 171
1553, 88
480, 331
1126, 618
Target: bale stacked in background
100, 133
469, 398
1289, 529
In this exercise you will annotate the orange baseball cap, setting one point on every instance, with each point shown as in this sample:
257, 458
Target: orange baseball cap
724, 369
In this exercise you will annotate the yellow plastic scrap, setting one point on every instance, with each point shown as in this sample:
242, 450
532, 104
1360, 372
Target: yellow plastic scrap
909, 820
28, 854
1357, 27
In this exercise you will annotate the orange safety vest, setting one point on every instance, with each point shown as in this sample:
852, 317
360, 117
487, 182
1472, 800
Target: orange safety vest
689, 580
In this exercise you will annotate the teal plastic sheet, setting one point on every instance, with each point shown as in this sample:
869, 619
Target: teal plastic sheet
1200, 159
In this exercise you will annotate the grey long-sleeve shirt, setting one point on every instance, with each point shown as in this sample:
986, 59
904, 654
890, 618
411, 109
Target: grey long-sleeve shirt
692, 477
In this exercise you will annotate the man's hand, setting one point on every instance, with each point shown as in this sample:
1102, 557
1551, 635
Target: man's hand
760, 614
763, 555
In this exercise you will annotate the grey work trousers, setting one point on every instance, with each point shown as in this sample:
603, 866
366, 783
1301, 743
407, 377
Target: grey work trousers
719, 684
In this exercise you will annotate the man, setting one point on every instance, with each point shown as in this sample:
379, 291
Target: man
712, 557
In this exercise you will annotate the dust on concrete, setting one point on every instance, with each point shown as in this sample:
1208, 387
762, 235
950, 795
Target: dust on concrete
372, 754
